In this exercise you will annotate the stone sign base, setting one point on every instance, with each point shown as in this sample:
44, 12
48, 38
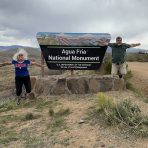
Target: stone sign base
60, 84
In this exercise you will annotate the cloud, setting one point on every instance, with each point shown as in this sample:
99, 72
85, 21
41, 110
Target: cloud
22, 19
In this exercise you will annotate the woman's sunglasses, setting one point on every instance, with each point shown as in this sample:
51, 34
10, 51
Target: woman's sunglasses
20, 55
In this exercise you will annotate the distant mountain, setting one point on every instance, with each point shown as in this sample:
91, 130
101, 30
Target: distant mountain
3, 48
7, 52
134, 50
129, 50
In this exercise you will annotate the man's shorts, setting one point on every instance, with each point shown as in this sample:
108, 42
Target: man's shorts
118, 69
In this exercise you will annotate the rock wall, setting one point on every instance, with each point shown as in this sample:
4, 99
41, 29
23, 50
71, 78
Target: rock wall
60, 84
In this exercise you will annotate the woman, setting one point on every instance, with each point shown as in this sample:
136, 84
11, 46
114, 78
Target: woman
22, 77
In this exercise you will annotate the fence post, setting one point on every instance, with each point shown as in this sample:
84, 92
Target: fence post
42, 63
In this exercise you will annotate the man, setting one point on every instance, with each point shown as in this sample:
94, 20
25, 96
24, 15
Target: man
118, 56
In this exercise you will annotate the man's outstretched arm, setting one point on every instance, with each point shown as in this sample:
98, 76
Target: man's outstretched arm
134, 45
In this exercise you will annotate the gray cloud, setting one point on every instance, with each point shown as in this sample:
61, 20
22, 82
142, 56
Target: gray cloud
20, 20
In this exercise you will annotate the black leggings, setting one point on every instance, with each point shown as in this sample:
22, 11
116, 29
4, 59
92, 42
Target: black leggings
20, 81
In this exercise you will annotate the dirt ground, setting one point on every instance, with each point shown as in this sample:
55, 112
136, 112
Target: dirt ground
140, 75
34, 133
73, 134
74, 130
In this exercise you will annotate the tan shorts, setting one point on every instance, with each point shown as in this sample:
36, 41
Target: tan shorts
118, 69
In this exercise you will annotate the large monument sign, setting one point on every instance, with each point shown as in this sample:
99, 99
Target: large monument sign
73, 51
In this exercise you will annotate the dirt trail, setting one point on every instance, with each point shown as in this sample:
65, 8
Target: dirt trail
140, 75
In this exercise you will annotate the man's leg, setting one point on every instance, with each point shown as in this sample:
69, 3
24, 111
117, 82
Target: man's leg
122, 70
114, 70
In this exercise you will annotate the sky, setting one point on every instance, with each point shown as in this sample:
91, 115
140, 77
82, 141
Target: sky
20, 20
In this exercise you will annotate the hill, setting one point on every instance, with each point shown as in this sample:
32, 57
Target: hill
7, 54
3, 48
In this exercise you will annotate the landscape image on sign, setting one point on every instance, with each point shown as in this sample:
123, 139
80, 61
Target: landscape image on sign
73, 39
73, 51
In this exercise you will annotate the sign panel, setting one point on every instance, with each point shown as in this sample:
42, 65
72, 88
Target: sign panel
73, 51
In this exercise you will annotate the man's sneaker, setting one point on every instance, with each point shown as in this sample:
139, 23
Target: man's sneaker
120, 76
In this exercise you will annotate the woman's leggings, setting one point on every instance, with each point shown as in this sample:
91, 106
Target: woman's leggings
20, 81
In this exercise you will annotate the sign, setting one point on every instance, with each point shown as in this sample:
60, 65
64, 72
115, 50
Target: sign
73, 51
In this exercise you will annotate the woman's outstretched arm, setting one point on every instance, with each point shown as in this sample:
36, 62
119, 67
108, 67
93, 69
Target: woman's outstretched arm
5, 63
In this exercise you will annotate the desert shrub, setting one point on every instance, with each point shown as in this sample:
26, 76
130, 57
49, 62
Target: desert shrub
128, 75
61, 112
146, 57
130, 86
124, 114
103, 101
57, 124
58, 119
51, 112
30, 116
106, 67
127, 78
131, 58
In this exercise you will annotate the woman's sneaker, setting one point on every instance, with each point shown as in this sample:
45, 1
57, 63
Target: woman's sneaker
18, 100
25, 96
